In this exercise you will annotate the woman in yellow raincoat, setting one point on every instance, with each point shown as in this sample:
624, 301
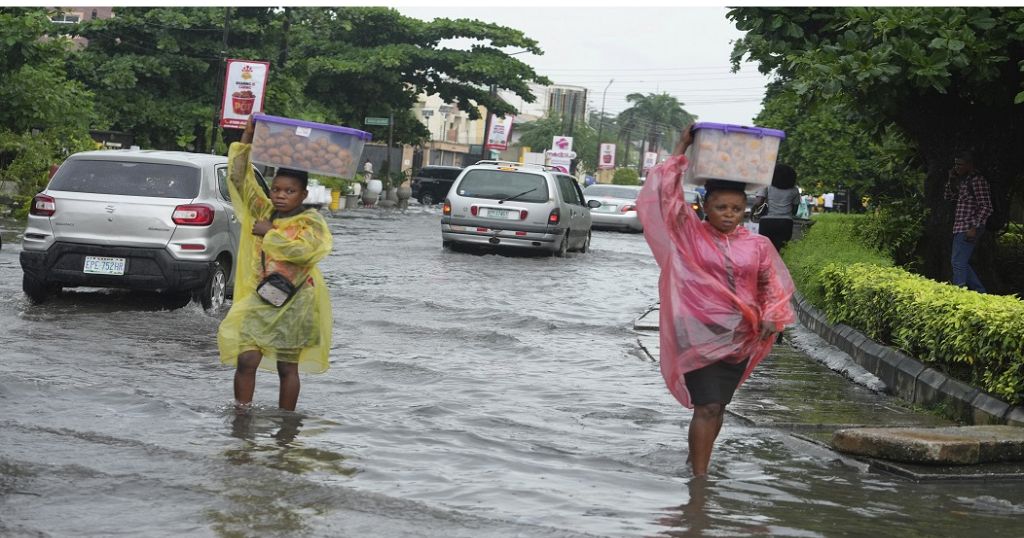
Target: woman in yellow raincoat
289, 240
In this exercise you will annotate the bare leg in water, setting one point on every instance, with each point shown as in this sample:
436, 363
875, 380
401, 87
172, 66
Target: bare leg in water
704, 428
245, 377
288, 372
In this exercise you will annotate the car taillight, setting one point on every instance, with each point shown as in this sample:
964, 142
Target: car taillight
555, 216
522, 214
628, 208
446, 209
473, 210
193, 215
43, 206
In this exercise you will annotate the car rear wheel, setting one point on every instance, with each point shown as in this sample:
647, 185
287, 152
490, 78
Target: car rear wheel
586, 244
563, 247
36, 290
211, 296
427, 199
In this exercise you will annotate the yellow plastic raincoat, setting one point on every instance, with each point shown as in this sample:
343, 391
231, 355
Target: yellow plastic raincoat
301, 328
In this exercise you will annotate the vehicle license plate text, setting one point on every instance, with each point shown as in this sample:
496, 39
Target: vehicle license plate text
500, 213
102, 265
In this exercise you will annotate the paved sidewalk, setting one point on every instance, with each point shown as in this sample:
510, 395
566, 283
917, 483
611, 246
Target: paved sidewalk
791, 391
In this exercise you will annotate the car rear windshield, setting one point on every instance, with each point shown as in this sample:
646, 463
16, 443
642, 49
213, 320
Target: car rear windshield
501, 184
611, 192
127, 178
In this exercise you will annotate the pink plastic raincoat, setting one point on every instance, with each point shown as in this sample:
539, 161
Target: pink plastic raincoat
715, 288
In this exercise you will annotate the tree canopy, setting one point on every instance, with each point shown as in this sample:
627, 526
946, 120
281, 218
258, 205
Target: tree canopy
157, 71
947, 78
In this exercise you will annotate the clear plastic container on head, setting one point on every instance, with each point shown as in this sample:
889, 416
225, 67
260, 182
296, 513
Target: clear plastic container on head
317, 148
733, 153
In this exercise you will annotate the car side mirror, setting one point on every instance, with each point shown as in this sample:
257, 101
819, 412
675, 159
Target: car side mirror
593, 204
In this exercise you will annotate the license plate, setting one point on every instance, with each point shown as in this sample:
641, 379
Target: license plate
102, 265
499, 213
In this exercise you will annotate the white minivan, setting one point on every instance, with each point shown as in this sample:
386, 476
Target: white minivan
509, 204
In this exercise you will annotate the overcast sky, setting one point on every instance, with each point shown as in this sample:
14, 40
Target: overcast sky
680, 50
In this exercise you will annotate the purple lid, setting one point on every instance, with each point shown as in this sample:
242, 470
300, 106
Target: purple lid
759, 131
313, 125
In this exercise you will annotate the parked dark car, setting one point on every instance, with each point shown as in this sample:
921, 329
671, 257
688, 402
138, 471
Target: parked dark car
431, 184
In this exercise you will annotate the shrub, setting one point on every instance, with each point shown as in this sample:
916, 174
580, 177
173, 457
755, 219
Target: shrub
895, 229
626, 176
832, 238
971, 336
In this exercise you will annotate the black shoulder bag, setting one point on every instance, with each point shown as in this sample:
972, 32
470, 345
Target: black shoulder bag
275, 289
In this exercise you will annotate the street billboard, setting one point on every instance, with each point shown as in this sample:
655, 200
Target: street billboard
501, 130
245, 83
561, 143
606, 160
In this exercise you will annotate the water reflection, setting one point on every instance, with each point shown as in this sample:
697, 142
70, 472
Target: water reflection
273, 439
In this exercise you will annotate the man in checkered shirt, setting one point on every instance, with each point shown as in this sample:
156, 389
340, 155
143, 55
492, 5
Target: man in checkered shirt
973, 206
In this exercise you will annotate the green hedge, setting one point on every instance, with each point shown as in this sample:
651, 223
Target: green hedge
832, 238
971, 336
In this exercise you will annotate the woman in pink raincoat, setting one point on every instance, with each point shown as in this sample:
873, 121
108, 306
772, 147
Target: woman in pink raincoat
725, 295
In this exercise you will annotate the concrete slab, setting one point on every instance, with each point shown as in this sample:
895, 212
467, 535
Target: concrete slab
1015, 416
958, 445
988, 410
926, 388
905, 377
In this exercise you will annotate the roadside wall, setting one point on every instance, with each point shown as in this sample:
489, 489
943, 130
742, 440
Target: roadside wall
908, 378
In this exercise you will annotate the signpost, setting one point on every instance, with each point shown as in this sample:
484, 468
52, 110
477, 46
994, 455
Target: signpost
245, 83
376, 121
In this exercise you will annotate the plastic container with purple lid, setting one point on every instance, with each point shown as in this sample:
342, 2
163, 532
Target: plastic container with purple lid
734, 153
317, 148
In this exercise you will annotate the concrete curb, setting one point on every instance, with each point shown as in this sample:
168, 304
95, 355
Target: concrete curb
908, 378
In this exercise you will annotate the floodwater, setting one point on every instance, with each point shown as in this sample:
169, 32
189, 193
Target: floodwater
469, 395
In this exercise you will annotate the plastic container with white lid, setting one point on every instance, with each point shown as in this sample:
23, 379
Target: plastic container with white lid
733, 153
317, 148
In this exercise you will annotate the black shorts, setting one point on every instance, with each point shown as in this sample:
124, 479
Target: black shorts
714, 383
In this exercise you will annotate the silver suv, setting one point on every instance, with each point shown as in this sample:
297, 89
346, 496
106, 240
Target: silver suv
136, 219
512, 204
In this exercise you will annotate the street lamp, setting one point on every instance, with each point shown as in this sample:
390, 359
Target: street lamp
600, 124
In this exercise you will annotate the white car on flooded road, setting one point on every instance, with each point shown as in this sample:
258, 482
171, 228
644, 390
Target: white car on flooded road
618, 207
135, 219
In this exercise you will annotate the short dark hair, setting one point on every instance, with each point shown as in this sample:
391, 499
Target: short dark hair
300, 175
720, 185
784, 177
965, 155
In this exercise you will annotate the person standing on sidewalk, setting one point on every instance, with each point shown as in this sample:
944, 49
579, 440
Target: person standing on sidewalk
783, 199
969, 189
725, 295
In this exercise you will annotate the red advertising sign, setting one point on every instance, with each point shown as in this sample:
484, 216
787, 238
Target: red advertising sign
245, 83
606, 161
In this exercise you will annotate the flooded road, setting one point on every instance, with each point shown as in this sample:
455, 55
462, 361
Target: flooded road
469, 395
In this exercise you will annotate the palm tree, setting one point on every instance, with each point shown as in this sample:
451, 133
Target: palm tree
656, 116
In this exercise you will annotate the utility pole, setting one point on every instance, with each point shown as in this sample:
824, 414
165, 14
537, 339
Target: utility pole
391, 137
217, 110
484, 152
600, 124
572, 124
